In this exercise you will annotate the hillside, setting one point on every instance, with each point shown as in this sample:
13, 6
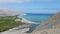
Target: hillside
51, 23
8, 22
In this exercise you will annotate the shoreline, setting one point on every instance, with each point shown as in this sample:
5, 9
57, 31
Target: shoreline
27, 21
21, 27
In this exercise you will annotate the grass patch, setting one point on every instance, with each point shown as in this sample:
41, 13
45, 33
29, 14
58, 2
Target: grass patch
8, 23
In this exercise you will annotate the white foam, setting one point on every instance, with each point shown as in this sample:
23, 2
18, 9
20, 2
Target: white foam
25, 14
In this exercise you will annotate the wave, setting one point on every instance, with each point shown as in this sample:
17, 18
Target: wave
25, 14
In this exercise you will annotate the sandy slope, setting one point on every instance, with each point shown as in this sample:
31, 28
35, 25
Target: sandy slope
48, 31
17, 30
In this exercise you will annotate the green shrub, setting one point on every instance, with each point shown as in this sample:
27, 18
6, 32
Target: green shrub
8, 23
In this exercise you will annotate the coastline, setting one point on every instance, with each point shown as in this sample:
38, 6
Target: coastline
27, 21
20, 29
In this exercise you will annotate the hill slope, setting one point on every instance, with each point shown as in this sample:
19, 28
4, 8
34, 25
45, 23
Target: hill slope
9, 13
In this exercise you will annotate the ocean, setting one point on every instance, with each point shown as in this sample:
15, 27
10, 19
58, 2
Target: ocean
37, 18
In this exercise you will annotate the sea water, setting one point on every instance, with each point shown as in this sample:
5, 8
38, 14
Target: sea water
37, 18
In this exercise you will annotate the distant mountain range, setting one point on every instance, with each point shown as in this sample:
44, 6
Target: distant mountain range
9, 13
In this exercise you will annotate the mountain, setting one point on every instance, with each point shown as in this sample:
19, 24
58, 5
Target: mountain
51, 23
9, 13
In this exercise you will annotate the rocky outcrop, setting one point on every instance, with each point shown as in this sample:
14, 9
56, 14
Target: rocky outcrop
51, 23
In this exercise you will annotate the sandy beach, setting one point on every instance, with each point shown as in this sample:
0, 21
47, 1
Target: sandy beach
27, 21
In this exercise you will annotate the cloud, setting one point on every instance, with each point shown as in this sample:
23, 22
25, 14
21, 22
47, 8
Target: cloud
14, 1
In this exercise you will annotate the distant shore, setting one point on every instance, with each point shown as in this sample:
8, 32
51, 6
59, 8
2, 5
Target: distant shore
27, 21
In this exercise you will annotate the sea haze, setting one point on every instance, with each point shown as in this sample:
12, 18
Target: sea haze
38, 17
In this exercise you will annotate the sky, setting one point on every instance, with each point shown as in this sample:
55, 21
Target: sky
31, 6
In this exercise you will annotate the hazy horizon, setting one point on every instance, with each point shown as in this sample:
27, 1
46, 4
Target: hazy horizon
31, 6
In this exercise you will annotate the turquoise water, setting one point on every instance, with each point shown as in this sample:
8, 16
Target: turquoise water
38, 18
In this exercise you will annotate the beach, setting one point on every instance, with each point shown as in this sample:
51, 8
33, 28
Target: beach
27, 21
